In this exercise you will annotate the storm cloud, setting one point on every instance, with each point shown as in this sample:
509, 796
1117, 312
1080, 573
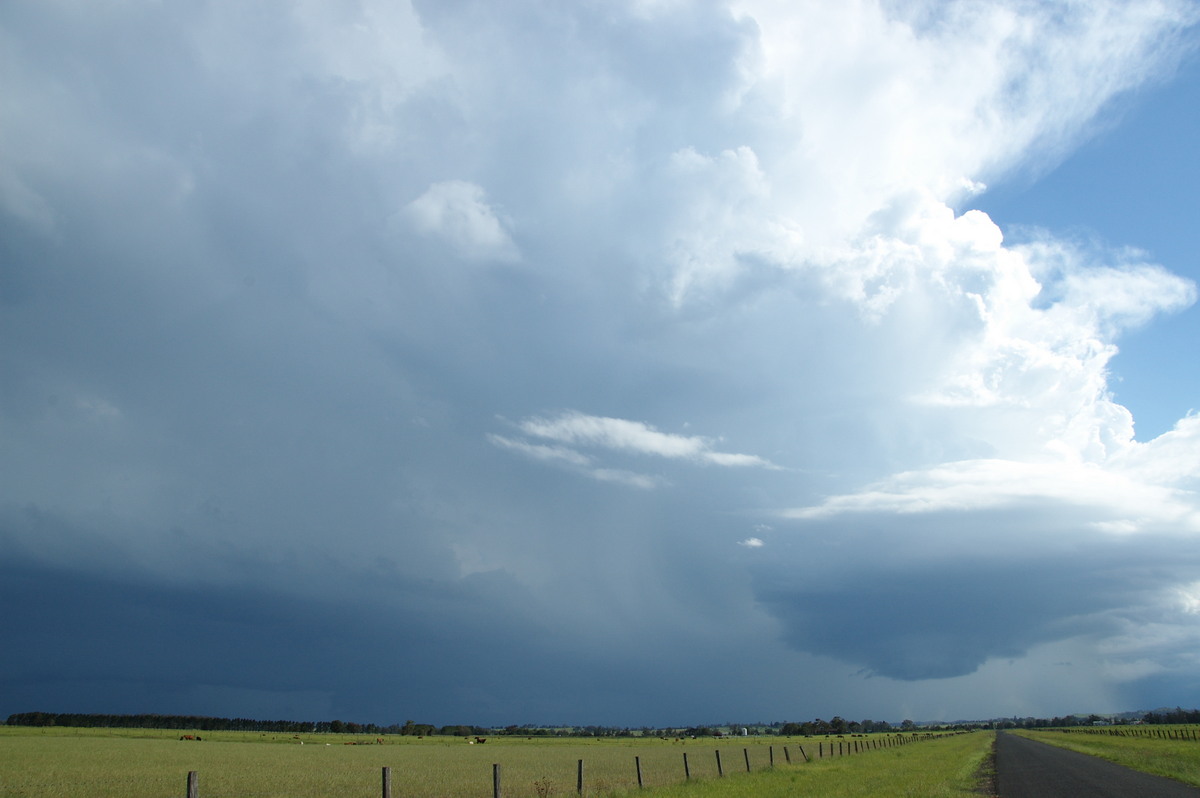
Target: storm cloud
624, 363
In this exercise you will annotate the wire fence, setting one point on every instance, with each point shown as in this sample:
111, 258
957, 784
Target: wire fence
646, 769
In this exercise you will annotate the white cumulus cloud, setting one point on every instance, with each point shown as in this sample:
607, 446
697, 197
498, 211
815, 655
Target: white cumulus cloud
457, 211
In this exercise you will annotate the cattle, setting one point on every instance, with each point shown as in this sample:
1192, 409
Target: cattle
481, 739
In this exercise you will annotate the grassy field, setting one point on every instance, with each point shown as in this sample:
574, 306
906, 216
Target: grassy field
1175, 759
954, 767
141, 763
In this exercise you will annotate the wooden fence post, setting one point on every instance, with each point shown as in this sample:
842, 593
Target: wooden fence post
387, 783
806, 759
787, 757
771, 755
720, 770
637, 760
579, 779
687, 772
495, 781
746, 753
193, 788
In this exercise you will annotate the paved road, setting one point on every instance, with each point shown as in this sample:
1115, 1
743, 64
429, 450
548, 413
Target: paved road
1029, 769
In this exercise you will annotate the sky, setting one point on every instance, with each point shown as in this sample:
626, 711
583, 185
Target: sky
635, 363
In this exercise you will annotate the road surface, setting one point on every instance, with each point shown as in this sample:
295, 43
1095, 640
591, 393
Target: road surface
1029, 769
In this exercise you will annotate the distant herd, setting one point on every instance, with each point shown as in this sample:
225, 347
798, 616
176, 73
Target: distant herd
376, 741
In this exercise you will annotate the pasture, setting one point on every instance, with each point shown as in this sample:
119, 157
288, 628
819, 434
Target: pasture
142, 763
955, 766
1133, 747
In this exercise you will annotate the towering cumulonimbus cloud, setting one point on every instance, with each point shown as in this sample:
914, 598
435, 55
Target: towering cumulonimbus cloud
656, 347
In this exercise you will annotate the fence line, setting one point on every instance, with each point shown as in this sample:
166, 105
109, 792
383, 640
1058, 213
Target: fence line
1132, 731
844, 748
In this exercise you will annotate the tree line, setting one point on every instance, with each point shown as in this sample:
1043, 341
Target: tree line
1176, 715
817, 726
837, 725
202, 723
1163, 716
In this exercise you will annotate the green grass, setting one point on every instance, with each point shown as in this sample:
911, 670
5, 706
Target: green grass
1175, 759
954, 767
143, 763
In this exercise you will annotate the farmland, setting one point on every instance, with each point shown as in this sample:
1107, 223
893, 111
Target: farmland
954, 767
145, 763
